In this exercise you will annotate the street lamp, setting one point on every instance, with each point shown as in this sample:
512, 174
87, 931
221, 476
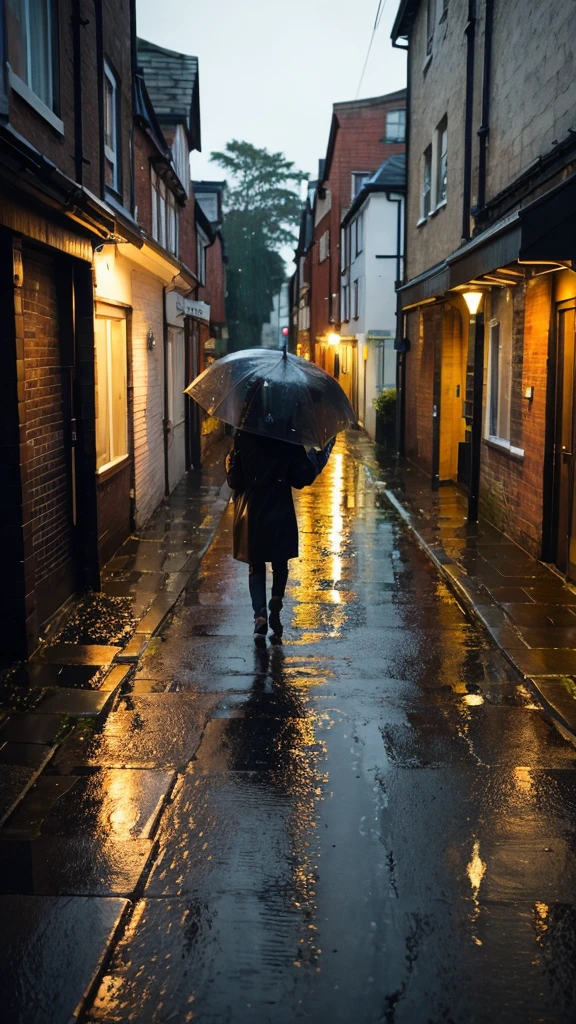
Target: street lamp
473, 298
333, 339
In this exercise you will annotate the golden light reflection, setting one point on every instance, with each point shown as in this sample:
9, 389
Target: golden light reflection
541, 914
476, 869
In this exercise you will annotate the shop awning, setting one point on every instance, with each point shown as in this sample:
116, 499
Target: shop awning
543, 230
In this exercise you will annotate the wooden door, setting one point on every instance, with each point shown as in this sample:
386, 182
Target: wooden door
565, 443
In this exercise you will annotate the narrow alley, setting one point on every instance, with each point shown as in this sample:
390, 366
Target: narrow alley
373, 821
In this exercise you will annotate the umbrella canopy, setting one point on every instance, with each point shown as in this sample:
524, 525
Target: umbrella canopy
276, 394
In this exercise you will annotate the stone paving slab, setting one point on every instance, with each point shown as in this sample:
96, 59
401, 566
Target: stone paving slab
77, 866
47, 939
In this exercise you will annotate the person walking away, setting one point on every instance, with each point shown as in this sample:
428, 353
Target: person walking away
262, 472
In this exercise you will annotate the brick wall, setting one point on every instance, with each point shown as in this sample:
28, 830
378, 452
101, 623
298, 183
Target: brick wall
47, 384
215, 290
511, 488
148, 375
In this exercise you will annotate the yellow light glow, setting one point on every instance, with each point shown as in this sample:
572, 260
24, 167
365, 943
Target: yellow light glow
473, 300
333, 339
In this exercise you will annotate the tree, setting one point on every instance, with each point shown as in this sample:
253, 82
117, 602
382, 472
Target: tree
262, 209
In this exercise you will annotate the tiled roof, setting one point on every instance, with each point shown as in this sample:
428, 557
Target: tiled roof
172, 83
392, 172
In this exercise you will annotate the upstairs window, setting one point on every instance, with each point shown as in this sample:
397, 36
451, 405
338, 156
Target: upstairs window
164, 215
112, 134
32, 30
359, 179
355, 300
441, 161
202, 245
181, 158
359, 234
426, 200
324, 247
430, 24
395, 126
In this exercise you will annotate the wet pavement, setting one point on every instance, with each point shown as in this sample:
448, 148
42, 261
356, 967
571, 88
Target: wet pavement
372, 821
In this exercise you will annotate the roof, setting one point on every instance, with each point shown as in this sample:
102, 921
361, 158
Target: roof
374, 101
407, 11
390, 177
172, 81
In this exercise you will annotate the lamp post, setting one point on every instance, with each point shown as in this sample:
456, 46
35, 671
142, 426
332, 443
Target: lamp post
473, 298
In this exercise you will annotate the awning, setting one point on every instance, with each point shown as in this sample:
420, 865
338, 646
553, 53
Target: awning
544, 230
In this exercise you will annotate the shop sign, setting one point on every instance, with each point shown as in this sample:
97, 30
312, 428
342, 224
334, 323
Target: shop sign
177, 307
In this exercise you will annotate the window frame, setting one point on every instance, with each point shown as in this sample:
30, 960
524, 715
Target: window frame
356, 299
392, 137
359, 234
21, 78
441, 162
324, 246
113, 155
116, 458
364, 176
430, 25
427, 178
202, 244
499, 377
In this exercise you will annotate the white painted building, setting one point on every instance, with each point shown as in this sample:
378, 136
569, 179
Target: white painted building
371, 254
272, 336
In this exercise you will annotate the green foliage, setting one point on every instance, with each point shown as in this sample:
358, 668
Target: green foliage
385, 405
261, 210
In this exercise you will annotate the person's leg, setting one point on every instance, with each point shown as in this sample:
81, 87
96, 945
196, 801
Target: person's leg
279, 580
257, 585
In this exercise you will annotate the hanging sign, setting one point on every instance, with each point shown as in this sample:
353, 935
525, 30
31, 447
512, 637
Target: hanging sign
177, 307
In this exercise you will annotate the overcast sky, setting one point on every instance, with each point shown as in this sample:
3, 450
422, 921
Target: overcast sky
270, 71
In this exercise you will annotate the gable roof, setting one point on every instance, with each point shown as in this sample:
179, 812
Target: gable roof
407, 11
372, 101
390, 177
172, 81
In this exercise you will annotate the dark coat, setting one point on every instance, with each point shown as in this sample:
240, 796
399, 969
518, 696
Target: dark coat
262, 473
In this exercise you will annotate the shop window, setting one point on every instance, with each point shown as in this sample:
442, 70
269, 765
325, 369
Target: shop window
395, 126
112, 134
111, 392
499, 365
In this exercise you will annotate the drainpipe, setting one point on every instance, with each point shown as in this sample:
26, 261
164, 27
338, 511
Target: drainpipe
77, 23
485, 126
467, 189
401, 356
165, 420
134, 63
100, 72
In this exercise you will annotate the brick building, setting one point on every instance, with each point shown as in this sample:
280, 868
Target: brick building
363, 134
488, 396
98, 240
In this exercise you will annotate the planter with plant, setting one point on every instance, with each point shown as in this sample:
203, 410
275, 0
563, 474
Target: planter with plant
385, 406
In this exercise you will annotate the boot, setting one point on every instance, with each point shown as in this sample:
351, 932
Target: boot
261, 623
275, 607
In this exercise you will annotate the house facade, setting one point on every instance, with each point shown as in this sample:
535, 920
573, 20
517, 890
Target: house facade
363, 134
101, 315
371, 253
489, 296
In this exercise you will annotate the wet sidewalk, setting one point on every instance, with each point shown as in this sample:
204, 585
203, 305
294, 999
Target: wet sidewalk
528, 608
372, 821
82, 664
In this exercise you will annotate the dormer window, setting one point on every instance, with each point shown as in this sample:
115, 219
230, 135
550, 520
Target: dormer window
181, 158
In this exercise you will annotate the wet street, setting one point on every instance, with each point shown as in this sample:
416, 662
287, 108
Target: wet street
373, 821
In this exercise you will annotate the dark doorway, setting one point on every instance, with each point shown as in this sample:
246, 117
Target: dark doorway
565, 444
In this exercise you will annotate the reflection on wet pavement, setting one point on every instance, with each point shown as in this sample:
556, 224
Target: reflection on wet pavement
370, 822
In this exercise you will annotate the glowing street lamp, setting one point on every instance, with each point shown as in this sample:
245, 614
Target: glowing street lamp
473, 298
333, 339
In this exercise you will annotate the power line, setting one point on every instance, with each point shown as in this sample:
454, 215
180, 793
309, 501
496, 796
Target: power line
377, 20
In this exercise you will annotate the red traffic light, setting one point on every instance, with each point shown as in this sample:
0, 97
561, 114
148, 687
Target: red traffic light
285, 331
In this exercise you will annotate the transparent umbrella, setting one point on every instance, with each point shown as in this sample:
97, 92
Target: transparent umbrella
276, 394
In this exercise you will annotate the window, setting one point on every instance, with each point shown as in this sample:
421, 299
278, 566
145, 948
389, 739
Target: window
359, 234
164, 215
426, 202
345, 311
181, 158
359, 179
201, 245
441, 161
430, 24
111, 392
343, 253
112, 134
355, 300
324, 247
500, 364
33, 48
395, 126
